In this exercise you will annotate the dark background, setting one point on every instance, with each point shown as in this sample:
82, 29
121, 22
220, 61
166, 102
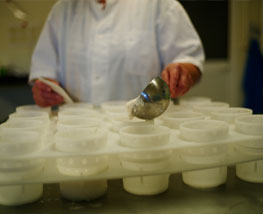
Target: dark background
210, 19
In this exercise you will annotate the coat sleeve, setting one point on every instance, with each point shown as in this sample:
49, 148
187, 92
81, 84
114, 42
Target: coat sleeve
177, 38
45, 57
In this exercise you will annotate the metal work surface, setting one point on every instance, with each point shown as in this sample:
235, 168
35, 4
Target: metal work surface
236, 196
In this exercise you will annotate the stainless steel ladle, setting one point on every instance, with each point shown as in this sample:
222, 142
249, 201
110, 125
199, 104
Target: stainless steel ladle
153, 101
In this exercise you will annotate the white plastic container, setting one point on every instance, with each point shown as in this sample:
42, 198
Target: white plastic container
146, 185
176, 108
210, 107
79, 105
13, 195
113, 109
78, 112
121, 121
33, 115
82, 166
69, 123
113, 105
190, 102
205, 131
146, 162
250, 171
14, 142
116, 112
250, 125
230, 114
30, 108
18, 124
142, 137
173, 120
24, 124
18, 142
205, 178
78, 140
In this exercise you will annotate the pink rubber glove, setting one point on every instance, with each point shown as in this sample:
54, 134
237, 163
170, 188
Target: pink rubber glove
44, 96
180, 77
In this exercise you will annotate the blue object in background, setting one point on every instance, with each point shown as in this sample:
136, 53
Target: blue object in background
253, 78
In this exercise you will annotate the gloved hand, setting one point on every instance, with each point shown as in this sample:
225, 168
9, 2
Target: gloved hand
180, 77
44, 96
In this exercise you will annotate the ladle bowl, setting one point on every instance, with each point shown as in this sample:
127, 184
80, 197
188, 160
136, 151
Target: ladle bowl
153, 101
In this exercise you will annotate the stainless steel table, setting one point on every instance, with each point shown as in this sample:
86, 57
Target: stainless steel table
236, 196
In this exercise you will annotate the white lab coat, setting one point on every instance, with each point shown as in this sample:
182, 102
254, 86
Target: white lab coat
99, 55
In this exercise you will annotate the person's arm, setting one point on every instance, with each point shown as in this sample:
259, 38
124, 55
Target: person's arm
45, 60
180, 48
180, 77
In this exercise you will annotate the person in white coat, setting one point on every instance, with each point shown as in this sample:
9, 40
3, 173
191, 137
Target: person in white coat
110, 50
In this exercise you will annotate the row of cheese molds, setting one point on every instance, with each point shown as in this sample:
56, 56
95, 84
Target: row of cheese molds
82, 146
